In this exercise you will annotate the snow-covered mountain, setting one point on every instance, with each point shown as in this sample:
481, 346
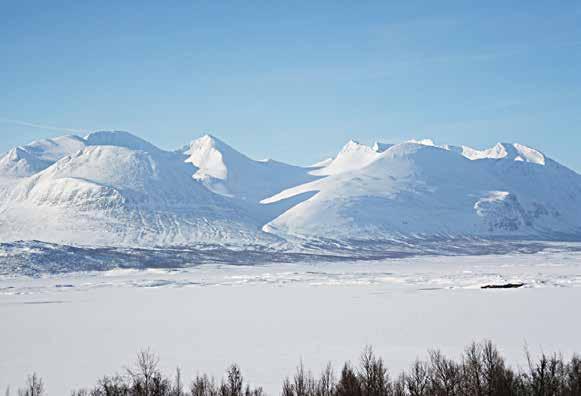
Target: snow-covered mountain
352, 156
27, 160
420, 190
230, 173
121, 190
115, 189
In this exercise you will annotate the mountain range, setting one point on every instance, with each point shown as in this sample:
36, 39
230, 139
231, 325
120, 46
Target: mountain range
113, 188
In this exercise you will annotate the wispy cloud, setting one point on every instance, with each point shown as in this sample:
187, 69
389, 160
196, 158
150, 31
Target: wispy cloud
39, 126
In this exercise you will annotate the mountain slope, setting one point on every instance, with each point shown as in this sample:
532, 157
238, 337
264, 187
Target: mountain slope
120, 190
421, 190
227, 172
27, 160
353, 155
116, 189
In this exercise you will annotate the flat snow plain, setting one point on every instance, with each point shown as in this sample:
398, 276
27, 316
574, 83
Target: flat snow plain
72, 329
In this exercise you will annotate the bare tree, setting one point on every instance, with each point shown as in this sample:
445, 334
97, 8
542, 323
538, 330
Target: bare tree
472, 371
287, 388
326, 384
399, 386
482, 371
417, 381
34, 386
373, 375
203, 386
178, 389
445, 374
234, 381
304, 384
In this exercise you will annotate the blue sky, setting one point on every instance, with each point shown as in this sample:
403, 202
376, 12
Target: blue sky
295, 80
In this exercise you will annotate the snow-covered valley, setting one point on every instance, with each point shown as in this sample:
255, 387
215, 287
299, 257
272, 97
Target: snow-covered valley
109, 244
268, 317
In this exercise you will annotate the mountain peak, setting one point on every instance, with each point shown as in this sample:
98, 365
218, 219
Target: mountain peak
207, 138
423, 142
366, 192
206, 153
226, 171
381, 147
508, 151
529, 154
353, 145
18, 153
120, 139
353, 155
36, 156
209, 141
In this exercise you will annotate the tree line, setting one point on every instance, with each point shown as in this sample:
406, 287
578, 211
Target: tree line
480, 371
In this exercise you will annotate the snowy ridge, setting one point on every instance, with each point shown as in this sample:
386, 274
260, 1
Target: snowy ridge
118, 194
507, 151
228, 172
119, 139
418, 189
116, 189
27, 160
514, 152
352, 156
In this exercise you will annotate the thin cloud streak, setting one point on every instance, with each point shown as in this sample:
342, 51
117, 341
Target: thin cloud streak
39, 126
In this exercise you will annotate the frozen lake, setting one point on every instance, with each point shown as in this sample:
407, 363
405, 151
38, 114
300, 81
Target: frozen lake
72, 329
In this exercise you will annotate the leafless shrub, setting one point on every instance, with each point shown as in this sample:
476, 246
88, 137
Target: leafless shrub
34, 386
482, 371
373, 375
417, 380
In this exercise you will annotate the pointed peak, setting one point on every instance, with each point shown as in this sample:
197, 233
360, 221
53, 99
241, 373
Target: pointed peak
207, 142
353, 145
208, 139
18, 153
381, 147
503, 148
212, 156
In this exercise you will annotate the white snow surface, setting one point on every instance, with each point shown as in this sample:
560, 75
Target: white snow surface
352, 156
268, 318
114, 188
113, 192
228, 172
34, 157
422, 190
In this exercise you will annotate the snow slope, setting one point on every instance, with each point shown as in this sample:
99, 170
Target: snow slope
116, 189
420, 190
353, 155
27, 160
228, 172
120, 190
